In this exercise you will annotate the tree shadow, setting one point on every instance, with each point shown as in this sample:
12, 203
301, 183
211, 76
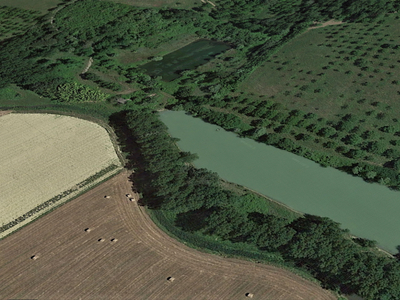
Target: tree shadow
397, 255
193, 220
134, 160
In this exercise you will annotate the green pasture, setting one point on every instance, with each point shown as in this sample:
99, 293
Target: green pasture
142, 54
15, 96
348, 74
336, 69
186, 58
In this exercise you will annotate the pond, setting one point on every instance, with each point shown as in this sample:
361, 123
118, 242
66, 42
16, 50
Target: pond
188, 57
369, 210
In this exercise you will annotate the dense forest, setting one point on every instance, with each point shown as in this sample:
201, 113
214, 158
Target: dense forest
47, 54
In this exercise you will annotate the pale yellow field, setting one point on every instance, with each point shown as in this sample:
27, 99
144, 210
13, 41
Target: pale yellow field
43, 155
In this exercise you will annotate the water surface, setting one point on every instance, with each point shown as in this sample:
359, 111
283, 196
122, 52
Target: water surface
185, 58
369, 210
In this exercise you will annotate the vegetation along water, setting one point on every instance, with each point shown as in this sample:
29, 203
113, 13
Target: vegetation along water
368, 210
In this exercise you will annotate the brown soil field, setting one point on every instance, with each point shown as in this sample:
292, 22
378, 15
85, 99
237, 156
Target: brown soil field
71, 263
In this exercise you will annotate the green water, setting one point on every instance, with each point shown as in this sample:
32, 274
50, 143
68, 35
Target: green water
368, 210
186, 58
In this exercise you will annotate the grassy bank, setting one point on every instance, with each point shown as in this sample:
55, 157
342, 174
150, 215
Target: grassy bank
215, 245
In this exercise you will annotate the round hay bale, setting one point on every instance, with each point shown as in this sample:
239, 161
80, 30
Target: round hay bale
101, 240
170, 279
128, 195
34, 257
249, 295
87, 229
114, 240
107, 197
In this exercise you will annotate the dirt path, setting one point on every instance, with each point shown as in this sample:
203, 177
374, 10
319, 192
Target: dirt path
211, 3
51, 20
5, 112
207, 1
73, 264
88, 65
328, 23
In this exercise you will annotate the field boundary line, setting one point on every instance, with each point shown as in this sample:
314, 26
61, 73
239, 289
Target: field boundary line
79, 189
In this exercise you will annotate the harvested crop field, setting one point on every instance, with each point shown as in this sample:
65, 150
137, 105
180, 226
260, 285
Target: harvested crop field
46, 158
96, 247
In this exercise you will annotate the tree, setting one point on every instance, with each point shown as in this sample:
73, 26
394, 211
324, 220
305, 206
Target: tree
271, 232
327, 131
352, 139
319, 244
224, 221
356, 153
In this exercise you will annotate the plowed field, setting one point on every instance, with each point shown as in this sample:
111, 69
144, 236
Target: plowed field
73, 264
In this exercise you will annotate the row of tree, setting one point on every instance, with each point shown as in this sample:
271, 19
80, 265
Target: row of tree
292, 127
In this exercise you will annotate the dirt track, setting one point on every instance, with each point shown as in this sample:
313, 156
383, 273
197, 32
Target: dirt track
5, 112
327, 23
73, 264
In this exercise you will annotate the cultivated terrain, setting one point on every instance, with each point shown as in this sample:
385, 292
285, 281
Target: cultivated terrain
329, 94
46, 159
71, 263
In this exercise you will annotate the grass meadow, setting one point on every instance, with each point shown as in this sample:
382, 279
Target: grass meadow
15, 96
336, 69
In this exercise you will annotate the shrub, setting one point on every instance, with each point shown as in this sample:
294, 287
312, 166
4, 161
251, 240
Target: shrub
75, 92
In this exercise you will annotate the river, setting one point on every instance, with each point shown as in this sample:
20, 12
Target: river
368, 210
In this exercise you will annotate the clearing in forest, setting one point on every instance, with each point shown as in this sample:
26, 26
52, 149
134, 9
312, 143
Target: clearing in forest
46, 159
96, 247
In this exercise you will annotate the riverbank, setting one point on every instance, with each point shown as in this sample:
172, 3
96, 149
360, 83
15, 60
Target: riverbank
368, 210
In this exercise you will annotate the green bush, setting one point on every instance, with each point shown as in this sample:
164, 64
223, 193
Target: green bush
75, 92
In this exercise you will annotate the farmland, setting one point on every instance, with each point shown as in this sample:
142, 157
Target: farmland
328, 94
72, 263
343, 79
48, 158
